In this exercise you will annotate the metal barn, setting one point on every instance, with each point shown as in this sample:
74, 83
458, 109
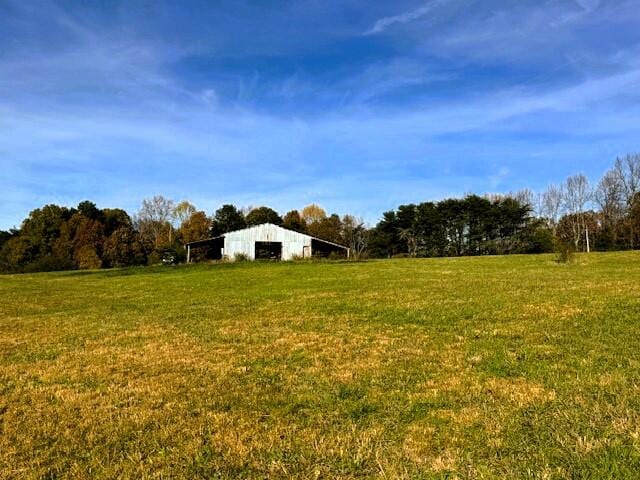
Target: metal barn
266, 241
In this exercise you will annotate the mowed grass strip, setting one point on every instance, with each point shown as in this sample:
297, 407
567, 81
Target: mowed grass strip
495, 367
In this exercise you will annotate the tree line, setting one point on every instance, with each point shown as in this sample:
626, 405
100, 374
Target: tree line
472, 225
85, 237
575, 214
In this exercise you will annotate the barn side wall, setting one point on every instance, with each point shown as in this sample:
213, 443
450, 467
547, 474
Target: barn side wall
244, 241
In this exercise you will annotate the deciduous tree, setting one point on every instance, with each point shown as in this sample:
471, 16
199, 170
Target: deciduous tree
261, 215
154, 220
294, 221
552, 201
355, 235
313, 214
577, 193
122, 248
182, 212
609, 196
227, 219
195, 228
627, 170
328, 228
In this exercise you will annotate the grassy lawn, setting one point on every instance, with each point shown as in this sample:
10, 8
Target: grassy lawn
496, 367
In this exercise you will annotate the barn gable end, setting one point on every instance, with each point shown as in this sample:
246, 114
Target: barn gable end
266, 241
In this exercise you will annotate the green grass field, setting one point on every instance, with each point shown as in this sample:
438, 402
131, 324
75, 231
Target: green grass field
495, 367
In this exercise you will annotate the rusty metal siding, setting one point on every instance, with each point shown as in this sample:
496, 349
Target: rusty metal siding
244, 241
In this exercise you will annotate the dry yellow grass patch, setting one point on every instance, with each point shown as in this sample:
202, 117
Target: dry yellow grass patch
519, 391
464, 417
447, 461
104, 390
419, 448
585, 445
418, 445
550, 310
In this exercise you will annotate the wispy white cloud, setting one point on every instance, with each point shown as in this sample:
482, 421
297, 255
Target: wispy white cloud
532, 34
588, 5
364, 85
383, 23
247, 157
584, 7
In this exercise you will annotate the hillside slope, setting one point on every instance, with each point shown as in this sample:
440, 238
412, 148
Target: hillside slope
481, 367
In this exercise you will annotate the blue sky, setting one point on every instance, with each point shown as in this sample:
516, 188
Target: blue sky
356, 105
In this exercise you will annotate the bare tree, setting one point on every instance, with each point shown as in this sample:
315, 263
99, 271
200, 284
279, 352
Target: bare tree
529, 198
356, 235
246, 210
409, 236
627, 170
492, 197
552, 200
577, 193
609, 196
154, 218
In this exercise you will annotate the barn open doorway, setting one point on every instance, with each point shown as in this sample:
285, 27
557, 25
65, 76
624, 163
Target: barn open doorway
323, 248
268, 250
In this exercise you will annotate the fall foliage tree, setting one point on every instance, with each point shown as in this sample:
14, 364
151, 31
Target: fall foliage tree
182, 212
328, 228
313, 214
294, 221
196, 227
